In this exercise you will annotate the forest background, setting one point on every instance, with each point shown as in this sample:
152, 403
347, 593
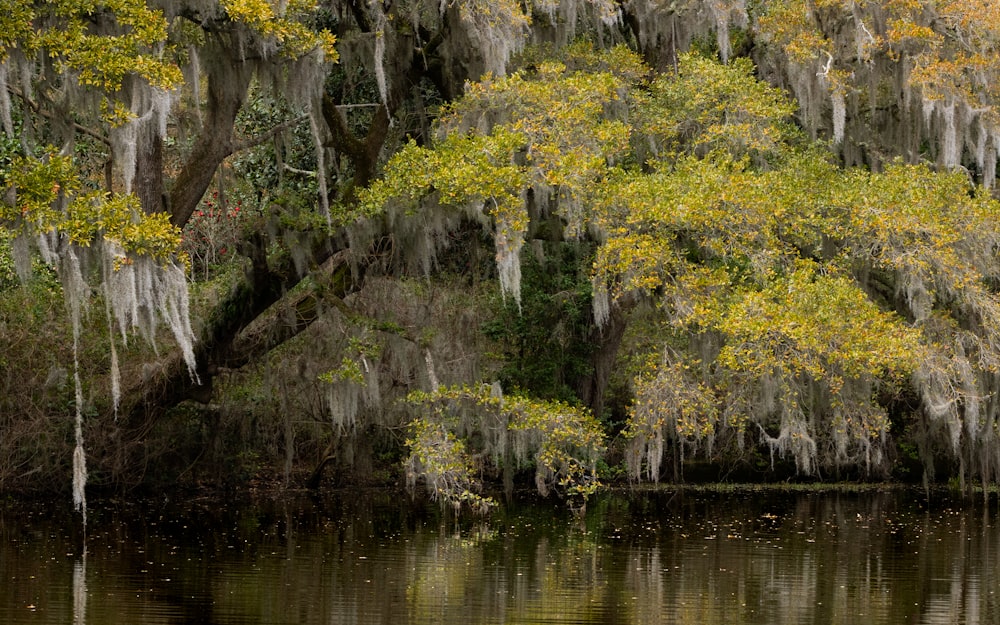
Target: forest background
560, 242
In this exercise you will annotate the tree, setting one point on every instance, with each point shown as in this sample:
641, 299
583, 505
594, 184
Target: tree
797, 298
689, 177
78, 58
156, 88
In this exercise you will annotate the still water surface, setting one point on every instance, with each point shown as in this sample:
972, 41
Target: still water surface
371, 558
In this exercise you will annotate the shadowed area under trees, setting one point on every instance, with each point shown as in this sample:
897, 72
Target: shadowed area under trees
553, 242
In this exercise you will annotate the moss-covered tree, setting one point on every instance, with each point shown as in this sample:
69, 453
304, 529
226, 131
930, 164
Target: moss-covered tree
798, 298
687, 176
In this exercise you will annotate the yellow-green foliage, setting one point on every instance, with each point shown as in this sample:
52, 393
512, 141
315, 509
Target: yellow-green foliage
815, 324
355, 362
460, 170
552, 131
776, 265
708, 106
439, 458
63, 28
134, 40
283, 24
49, 198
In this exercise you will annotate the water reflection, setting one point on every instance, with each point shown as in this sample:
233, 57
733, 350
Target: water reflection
80, 590
368, 558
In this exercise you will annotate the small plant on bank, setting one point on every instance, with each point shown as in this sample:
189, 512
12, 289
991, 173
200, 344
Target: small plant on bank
441, 460
562, 442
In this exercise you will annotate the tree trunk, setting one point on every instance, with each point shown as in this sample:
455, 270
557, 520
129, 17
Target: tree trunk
228, 83
607, 341
362, 153
148, 181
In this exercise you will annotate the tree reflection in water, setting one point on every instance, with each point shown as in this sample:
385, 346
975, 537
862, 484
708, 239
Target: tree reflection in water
746, 556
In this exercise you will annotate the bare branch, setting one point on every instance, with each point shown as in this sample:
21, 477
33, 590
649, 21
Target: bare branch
37, 109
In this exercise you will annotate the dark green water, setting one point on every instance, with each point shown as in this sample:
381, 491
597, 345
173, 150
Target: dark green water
699, 559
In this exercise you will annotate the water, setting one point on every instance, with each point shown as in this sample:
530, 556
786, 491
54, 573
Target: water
370, 558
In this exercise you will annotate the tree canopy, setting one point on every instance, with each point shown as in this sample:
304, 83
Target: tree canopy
796, 296
792, 201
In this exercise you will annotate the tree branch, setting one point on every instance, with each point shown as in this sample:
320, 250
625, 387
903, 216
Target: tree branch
225, 343
37, 109
253, 142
